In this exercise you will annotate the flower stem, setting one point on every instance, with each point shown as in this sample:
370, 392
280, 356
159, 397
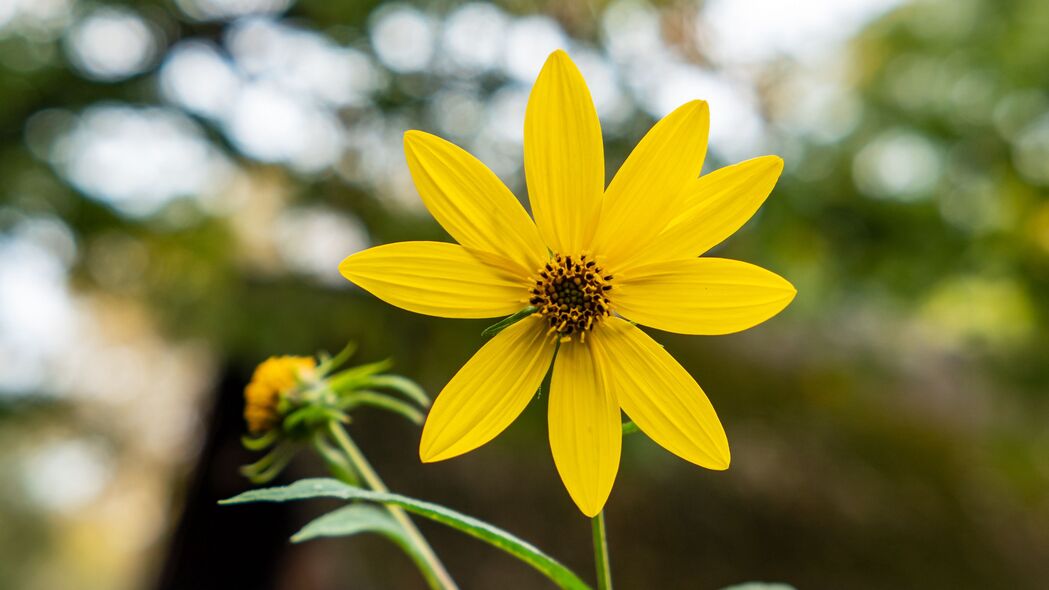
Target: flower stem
436, 576
604, 570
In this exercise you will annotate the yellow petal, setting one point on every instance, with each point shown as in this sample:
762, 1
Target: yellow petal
564, 157
643, 196
701, 295
659, 395
716, 206
437, 279
470, 201
586, 428
489, 392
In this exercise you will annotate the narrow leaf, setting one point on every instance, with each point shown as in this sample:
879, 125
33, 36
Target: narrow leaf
400, 384
354, 519
507, 322
382, 401
330, 488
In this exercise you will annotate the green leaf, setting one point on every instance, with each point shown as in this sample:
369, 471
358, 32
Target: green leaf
330, 488
507, 322
382, 401
400, 384
351, 520
361, 518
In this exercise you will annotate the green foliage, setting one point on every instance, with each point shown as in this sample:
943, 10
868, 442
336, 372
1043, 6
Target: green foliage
507, 322
351, 520
330, 488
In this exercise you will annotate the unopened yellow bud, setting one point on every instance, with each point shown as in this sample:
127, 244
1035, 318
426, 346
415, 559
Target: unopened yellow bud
273, 378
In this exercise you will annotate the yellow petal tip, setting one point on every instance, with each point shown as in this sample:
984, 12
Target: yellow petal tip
698, 103
414, 135
426, 455
344, 268
558, 54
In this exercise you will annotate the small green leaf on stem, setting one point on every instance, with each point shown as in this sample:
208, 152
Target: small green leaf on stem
507, 322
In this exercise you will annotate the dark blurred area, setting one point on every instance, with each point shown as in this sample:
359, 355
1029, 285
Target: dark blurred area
179, 180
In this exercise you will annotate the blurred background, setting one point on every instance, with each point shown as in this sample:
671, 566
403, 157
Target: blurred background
179, 180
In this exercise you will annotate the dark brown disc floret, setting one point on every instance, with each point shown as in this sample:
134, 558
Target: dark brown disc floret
571, 293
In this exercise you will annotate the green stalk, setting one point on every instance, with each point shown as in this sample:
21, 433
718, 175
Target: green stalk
436, 576
604, 570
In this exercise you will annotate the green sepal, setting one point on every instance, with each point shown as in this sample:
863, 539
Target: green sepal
329, 363
382, 401
260, 443
350, 378
399, 384
270, 466
310, 416
507, 322
630, 428
330, 488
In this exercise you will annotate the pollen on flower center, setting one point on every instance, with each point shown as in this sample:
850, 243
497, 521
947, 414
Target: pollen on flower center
571, 294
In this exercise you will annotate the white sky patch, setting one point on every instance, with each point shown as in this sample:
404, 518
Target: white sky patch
111, 44
457, 113
36, 19
137, 159
612, 105
36, 311
303, 61
631, 31
1031, 151
271, 124
66, 475
230, 9
898, 164
751, 31
403, 38
736, 126
314, 240
474, 36
199, 79
529, 41
815, 105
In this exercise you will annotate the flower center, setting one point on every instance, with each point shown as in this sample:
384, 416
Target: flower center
571, 294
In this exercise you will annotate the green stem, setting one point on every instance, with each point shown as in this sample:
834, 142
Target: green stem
604, 569
436, 576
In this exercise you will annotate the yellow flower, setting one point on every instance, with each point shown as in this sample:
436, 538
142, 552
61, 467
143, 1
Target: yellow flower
273, 378
593, 259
